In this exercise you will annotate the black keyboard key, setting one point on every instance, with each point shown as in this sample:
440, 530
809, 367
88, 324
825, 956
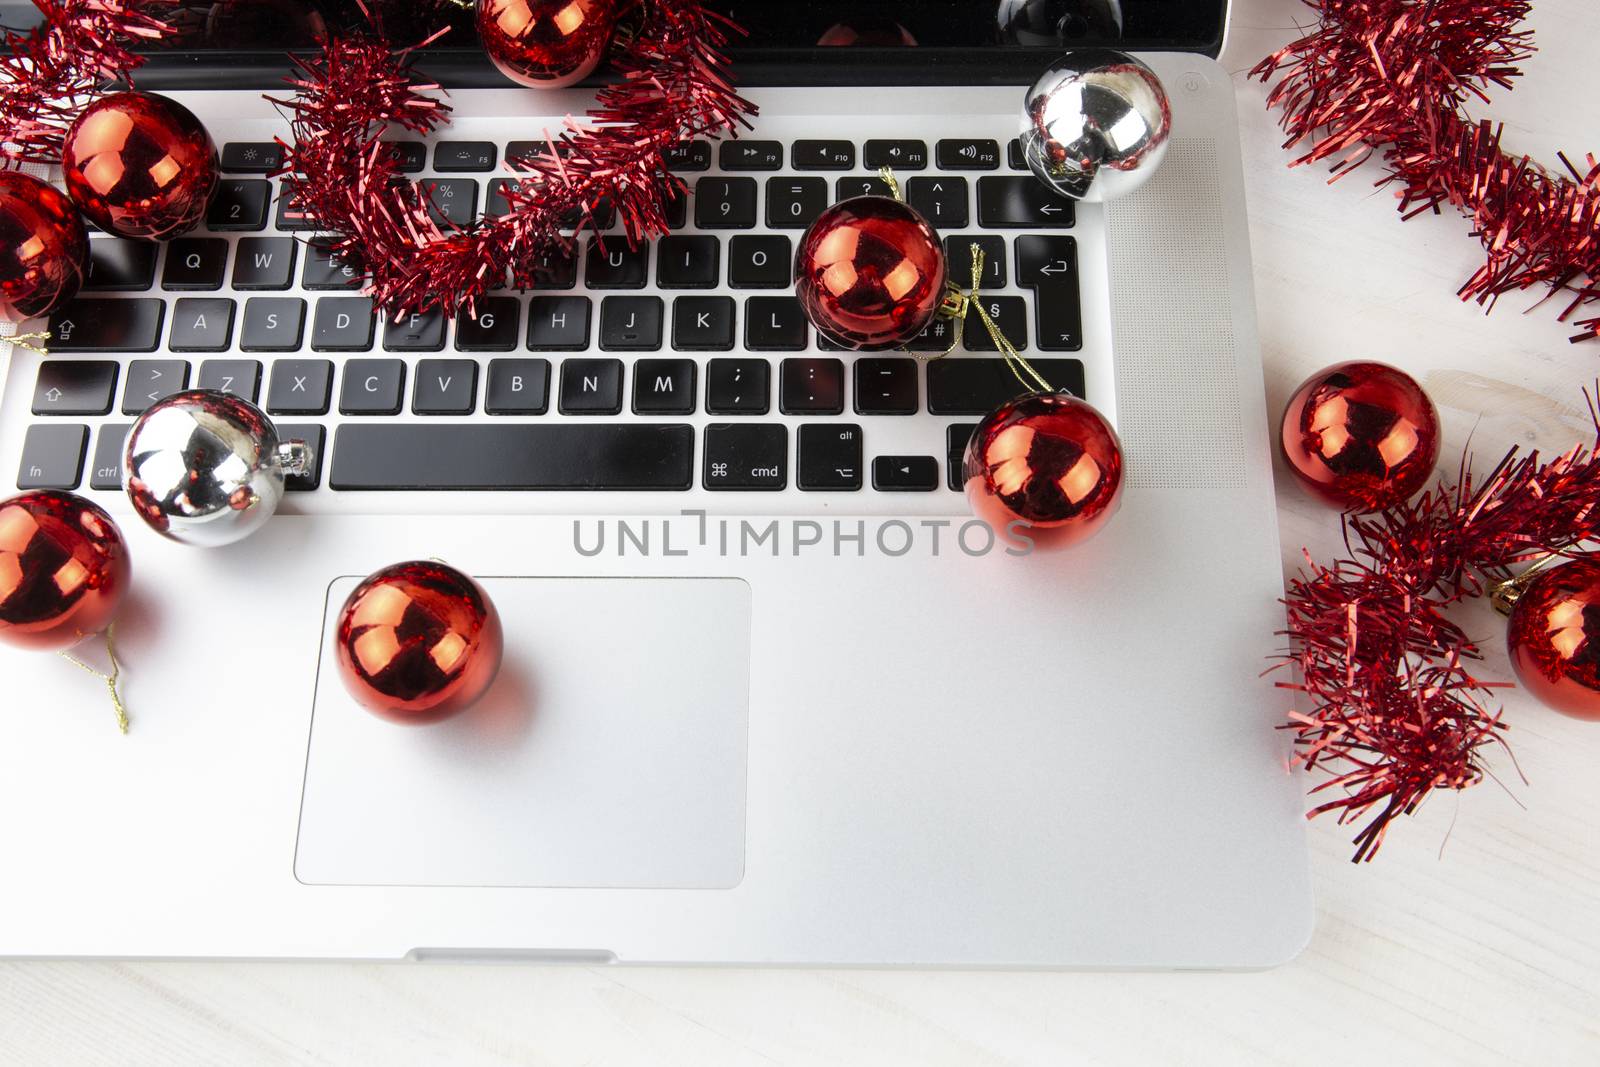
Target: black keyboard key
664, 387
593, 456
775, 324
1010, 313
1049, 266
812, 387
313, 436
520, 154
410, 157
342, 324
1015, 159
272, 324
900, 155
264, 263
850, 188
830, 457
957, 154
936, 337
445, 387
150, 380
725, 203
52, 456
238, 377
956, 437
958, 253
416, 332
689, 155
752, 155
327, 269
558, 323
976, 385
454, 157
497, 204
291, 216
591, 387
1021, 202
886, 385
452, 202
631, 323
703, 323
678, 211
615, 265
201, 325
93, 325
760, 262
196, 263
795, 203
105, 471
556, 269
74, 387
746, 457
738, 386
240, 204
251, 157
300, 387
518, 387
942, 201
496, 328
372, 387
119, 266
688, 262
905, 474
824, 155
598, 216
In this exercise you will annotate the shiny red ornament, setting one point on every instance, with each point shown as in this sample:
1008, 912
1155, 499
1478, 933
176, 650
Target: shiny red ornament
140, 165
418, 642
870, 273
44, 249
546, 44
63, 570
1048, 460
1554, 638
1362, 435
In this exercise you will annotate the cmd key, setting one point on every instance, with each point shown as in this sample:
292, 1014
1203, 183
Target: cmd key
91, 324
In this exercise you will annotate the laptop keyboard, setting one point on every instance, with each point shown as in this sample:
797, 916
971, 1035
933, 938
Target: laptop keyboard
683, 364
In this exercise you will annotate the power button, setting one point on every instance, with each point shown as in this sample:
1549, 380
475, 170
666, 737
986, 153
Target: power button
1195, 82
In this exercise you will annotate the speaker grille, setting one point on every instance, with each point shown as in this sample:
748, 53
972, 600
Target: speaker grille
1172, 319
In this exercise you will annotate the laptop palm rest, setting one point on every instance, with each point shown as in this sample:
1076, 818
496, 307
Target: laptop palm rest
611, 751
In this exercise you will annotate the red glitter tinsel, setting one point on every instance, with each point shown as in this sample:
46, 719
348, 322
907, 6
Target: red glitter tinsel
48, 75
1397, 76
1395, 711
674, 87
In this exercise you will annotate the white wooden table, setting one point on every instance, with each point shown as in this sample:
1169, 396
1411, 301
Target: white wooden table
1475, 937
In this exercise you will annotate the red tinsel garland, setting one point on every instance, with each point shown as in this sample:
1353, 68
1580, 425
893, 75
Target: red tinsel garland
49, 75
1396, 713
1396, 75
674, 87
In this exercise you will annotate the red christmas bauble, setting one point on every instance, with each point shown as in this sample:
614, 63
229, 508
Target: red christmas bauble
1361, 435
418, 642
870, 273
63, 570
1049, 460
546, 44
1554, 638
44, 249
140, 165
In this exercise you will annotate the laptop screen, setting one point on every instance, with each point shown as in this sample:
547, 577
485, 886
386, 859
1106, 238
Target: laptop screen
947, 39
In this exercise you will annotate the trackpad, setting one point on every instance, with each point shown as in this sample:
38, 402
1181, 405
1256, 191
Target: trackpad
610, 751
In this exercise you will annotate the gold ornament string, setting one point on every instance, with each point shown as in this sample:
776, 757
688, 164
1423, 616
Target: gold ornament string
109, 679
957, 304
33, 342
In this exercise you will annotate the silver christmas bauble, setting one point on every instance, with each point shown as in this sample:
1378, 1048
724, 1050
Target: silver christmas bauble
1054, 23
207, 468
1095, 126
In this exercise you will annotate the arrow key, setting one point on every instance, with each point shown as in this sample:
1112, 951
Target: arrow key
150, 380
74, 387
1021, 202
905, 474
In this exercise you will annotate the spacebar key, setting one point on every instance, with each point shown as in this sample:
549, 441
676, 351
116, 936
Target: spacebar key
637, 456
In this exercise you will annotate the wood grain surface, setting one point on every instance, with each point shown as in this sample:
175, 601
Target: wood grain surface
1475, 938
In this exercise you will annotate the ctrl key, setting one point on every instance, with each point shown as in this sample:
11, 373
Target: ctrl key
747, 456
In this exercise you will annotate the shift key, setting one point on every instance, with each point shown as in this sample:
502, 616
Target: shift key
106, 325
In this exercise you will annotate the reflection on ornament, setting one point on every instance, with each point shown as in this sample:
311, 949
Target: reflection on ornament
44, 249
1553, 638
546, 44
63, 570
867, 32
1096, 125
140, 165
1043, 23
